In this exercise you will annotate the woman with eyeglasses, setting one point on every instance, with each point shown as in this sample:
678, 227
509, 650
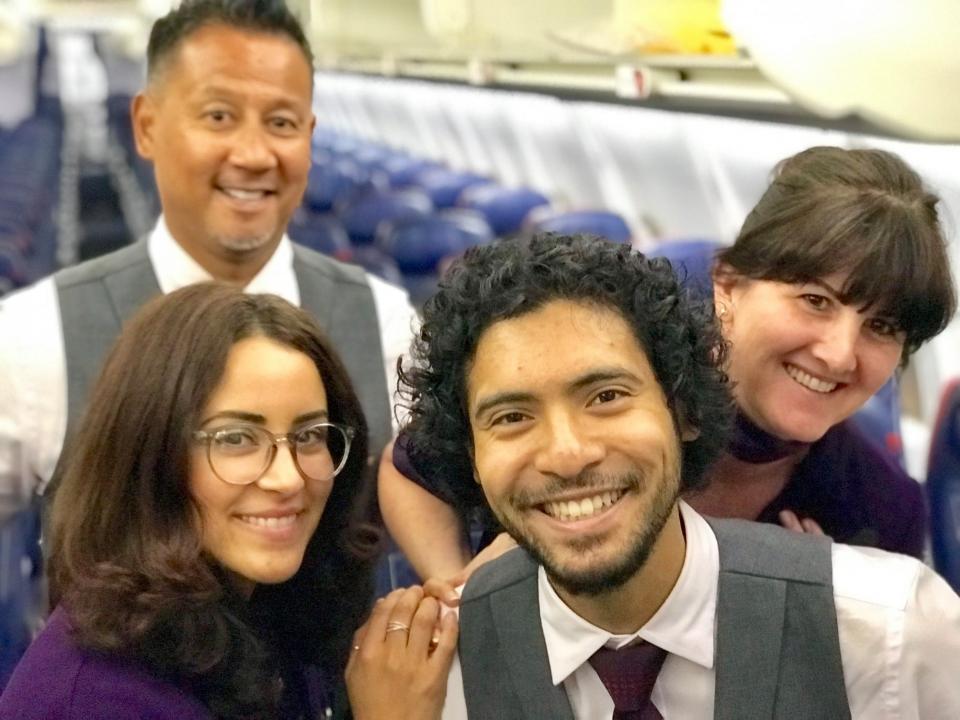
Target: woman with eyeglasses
208, 542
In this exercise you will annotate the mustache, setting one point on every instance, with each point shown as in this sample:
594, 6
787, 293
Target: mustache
596, 482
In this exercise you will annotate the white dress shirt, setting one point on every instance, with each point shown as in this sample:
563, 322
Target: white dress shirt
33, 373
899, 626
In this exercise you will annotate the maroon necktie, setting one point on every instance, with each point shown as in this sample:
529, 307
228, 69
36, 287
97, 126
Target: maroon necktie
629, 674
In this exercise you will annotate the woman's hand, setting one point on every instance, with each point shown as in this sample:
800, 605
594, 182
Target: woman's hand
400, 659
791, 521
445, 590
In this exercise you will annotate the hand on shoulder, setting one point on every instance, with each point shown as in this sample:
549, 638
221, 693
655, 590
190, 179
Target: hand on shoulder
400, 659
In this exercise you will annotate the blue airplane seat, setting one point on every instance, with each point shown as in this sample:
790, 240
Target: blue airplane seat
603, 223
505, 209
14, 229
363, 211
375, 261
393, 571
330, 182
444, 186
403, 170
13, 268
20, 587
341, 145
879, 420
374, 157
323, 138
418, 244
692, 260
943, 486
321, 232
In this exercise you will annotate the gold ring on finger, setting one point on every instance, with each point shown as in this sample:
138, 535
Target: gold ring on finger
394, 626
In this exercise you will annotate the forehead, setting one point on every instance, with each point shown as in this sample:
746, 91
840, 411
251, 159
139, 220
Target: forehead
545, 350
261, 373
218, 55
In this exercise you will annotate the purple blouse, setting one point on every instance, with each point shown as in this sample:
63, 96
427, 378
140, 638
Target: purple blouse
59, 680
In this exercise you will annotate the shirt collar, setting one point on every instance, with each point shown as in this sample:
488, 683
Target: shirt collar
175, 268
684, 624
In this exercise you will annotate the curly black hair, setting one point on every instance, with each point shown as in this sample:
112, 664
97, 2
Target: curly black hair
507, 279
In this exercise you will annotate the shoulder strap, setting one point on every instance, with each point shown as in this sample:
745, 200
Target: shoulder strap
777, 645
340, 298
96, 298
506, 670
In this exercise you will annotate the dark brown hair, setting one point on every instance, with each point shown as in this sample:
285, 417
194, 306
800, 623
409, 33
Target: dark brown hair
126, 550
864, 212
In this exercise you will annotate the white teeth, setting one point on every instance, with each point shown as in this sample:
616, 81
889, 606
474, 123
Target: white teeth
810, 382
238, 194
269, 522
584, 508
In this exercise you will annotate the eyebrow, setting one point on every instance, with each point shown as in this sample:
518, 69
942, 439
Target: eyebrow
592, 377
820, 283
262, 420
221, 92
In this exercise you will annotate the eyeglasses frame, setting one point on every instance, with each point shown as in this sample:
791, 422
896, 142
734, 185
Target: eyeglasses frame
207, 436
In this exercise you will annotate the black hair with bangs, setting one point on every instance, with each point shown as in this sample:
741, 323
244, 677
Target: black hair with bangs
863, 212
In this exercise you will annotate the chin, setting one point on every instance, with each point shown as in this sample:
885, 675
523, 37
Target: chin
806, 431
243, 244
273, 575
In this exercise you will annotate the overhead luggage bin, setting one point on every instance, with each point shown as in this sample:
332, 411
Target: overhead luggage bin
892, 62
881, 71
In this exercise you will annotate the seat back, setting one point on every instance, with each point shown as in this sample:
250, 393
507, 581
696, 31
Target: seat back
505, 209
21, 590
943, 486
363, 212
603, 223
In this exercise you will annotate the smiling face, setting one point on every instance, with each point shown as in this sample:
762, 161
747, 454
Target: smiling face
259, 532
574, 445
227, 124
802, 361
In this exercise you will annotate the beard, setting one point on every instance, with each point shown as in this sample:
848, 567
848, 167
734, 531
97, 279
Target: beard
243, 244
598, 577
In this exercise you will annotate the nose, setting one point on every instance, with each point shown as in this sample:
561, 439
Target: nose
282, 475
568, 446
838, 343
252, 148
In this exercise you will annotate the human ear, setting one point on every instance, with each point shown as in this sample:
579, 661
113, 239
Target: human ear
143, 117
725, 281
688, 431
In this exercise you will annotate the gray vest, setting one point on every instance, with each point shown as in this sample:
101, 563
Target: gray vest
777, 653
97, 297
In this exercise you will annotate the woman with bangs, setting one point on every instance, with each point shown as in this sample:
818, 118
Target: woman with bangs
839, 273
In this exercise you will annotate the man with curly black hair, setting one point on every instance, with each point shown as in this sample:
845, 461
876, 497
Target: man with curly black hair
573, 384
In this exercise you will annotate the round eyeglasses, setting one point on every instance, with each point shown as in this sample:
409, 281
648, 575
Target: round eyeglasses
240, 454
